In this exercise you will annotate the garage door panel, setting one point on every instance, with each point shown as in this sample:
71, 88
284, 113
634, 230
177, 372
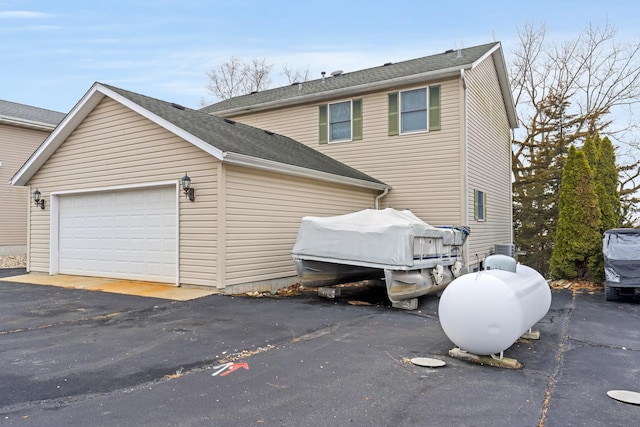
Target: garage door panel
126, 234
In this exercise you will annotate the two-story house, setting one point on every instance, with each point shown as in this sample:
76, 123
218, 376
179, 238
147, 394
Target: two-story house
22, 130
437, 129
145, 189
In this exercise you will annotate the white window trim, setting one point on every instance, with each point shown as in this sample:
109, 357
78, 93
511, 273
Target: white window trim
400, 132
480, 212
338, 141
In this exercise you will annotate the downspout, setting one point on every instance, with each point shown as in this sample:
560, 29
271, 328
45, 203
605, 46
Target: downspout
376, 203
465, 198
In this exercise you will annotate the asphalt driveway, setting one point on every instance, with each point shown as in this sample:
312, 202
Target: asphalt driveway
84, 358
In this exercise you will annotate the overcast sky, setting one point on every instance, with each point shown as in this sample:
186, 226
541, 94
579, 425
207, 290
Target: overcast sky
53, 51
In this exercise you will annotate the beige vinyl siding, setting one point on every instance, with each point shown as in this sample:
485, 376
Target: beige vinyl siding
489, 160
263, 214
115, 146
424, 169
16, 145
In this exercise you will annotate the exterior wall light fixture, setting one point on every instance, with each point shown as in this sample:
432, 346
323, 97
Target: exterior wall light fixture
189, 192
36, 198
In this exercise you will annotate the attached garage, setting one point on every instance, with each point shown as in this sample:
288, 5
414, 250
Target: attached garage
128, 233
111, 178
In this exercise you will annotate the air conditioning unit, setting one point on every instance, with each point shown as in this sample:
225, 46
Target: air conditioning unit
508, 249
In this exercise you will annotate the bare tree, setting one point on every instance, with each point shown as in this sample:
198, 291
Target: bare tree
593, 74
566, 92
295, 76
257, 75
236, 77
227, 79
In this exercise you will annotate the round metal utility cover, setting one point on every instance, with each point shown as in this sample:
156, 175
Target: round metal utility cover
625, 396
428, 362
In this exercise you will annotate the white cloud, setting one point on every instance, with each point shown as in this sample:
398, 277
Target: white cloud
22, 14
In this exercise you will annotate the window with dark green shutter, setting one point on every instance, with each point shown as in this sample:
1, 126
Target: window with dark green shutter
340, 121
415, 110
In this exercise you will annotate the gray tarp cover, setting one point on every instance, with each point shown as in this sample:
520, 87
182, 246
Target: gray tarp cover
370, 236
621, 250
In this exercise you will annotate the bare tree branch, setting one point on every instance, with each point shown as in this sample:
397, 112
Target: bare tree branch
257, 75
227, 79
295, 76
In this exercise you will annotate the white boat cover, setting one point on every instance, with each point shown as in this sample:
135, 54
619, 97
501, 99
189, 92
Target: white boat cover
368, 236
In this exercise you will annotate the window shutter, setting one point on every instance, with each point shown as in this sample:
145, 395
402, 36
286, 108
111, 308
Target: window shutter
484, 206
475, 204
356, 123
434, 107
323, 129
393, 114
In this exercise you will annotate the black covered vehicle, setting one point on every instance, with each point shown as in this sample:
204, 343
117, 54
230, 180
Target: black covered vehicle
621, 250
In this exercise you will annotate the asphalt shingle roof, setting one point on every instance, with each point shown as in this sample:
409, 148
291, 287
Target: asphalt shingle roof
23, 112
443, 61
234, 137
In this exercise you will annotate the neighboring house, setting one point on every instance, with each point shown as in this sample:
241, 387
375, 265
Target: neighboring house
436, 129
111, 178
22, 130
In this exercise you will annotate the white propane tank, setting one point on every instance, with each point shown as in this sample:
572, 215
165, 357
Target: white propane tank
486, 312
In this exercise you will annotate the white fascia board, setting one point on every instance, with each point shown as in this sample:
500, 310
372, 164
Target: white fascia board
271, 166
348, 91
503, 80
16, 121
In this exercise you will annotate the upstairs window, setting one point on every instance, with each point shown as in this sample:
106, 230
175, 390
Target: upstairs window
413, 110
340, 121
416, 110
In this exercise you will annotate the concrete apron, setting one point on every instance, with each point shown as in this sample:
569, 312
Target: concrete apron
116, 286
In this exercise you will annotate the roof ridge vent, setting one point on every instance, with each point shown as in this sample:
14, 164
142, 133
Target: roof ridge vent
336, 73
268, 132
231, 122
178, 106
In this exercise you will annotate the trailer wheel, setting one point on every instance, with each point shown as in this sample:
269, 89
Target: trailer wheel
611, 293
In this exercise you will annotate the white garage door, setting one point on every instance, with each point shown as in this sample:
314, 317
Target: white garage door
128, 234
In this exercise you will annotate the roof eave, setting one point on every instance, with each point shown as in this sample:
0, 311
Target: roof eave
271, 166
31, 124
347, 91
503, 81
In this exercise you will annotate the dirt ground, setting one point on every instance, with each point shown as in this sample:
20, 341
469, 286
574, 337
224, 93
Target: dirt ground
13, 261
575, 285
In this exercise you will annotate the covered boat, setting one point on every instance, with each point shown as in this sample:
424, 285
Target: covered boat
412, 257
